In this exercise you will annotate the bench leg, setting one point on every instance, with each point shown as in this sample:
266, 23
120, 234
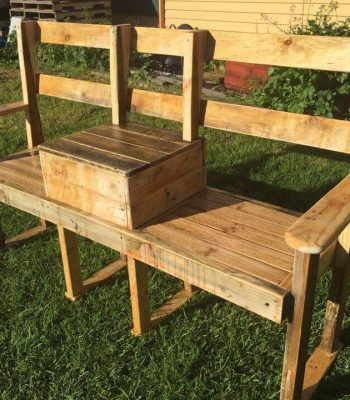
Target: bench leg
138, 281
75, 286
325, 354
71, 263
298, 330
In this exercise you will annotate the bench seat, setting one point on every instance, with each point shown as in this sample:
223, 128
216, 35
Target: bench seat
226, 244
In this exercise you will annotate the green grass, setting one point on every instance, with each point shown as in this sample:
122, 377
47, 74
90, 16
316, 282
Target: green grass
210, 349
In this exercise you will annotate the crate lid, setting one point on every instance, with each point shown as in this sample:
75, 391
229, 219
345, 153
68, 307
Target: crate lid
126, 149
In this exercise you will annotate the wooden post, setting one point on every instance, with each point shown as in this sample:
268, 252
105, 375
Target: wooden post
339, 293
194, 59
26, 37
161, 13
71, 263
138, 280
120, 41
305, 271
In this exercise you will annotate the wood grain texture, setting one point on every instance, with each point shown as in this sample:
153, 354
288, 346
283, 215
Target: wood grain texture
261, 297
72, 34
119, 71
26, 39
138, 284
194, 58
299, 327
98, 94
323, 223
71, 262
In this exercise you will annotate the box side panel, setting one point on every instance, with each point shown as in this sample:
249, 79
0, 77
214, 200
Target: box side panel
85, 187
166, 185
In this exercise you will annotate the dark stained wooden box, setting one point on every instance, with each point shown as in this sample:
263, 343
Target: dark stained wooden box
124, 175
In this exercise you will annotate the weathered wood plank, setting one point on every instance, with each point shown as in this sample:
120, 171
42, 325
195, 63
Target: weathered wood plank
193, 68
320, 226
26, 39
299, 326
119, 71
6, 109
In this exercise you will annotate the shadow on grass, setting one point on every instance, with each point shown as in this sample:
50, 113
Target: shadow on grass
292, 199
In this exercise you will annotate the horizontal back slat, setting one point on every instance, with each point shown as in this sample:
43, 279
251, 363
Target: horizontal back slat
319, 132
144, 40
313, 52
158, 41
323, 133
71, 34
98, 94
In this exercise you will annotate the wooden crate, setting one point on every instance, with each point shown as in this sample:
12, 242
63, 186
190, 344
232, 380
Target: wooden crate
60, 10
126, 176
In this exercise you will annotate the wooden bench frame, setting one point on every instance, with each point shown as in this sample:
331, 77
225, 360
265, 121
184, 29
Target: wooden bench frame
325, 226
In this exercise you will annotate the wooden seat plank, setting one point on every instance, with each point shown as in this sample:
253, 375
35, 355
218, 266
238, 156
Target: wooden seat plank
250, 208
232, 243
233, 229
239, 217
168, 231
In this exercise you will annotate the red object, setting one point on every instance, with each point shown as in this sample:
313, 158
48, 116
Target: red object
244, 77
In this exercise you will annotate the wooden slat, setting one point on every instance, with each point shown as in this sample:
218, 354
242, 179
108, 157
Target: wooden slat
6, 109
151, 131
115, 147
230, 242
313, 52
170, 231
98, 94
97, 157
306, 130
143, 40
88, 35
155, 41
237, 230
230, 214
249, 207
129, 137
257, 295
30, 183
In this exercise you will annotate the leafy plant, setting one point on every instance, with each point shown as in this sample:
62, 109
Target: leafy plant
309, 91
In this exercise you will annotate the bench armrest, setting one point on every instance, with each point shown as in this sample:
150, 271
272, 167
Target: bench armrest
6, 109
319, 227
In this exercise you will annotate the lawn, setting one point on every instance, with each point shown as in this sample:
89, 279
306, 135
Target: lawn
51, 348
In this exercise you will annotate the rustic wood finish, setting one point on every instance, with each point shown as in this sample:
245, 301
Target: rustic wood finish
229, 245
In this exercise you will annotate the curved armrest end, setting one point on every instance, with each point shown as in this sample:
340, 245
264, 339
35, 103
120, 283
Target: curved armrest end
319, 227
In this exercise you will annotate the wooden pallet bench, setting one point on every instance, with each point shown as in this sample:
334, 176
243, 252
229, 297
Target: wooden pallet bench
263, 258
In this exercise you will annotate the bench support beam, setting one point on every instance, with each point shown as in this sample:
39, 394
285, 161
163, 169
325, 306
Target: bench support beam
75, 285
143, 319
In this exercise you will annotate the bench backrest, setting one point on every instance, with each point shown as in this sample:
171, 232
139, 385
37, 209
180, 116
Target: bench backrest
120, 40
309, 52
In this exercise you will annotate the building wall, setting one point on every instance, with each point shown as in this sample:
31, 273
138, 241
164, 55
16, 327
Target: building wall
258, 16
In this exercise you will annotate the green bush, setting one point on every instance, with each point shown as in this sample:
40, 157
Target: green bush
309, 91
